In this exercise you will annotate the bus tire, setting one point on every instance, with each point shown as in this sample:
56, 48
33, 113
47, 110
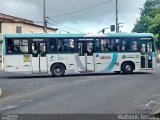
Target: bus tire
57, 70
127, 68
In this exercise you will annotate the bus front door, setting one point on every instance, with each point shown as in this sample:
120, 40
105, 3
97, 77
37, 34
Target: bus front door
39, 59
146, 54
85, 54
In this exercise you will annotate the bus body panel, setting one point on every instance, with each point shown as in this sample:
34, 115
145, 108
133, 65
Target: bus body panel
35, 64
67, 59
15, 63
113, 61
81, 63
73, 62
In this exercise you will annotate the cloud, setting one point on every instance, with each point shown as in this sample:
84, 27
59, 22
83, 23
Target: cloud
90, 20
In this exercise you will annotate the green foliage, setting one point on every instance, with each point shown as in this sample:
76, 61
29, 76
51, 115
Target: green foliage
155, 25
158, 44
142, 25
149, 20
149, 7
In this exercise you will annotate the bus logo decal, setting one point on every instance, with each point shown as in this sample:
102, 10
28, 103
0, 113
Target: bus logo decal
123, 57
105, 57
52, 58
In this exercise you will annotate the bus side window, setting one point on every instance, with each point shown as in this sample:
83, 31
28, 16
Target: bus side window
66, 45
128, 44
134, 45
105, 45
10, 49
66, 48
10, 46
112, 48
60, 45
17, 46
80, 49
43, 49
60, 49
117, 45
34, 50
123, 45
90, 49
53, 48
149, 47
53, 45
97, 47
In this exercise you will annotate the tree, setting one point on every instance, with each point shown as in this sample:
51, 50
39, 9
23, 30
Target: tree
155, 25
149, 20
142, 25
149, 7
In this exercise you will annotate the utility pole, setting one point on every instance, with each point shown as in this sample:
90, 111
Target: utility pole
44, 17
117, 25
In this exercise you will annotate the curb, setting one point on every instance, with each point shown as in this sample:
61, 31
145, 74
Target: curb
0, 92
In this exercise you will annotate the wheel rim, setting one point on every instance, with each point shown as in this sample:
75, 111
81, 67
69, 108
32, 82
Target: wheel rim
128, 68
58, 71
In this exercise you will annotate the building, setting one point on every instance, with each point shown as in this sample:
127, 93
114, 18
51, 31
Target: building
10, 24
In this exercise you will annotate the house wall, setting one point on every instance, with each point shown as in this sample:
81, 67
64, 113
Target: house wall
25, 28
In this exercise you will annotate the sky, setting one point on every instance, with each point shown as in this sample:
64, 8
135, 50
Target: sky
76, 16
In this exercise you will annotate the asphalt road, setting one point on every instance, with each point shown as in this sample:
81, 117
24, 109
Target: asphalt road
89, 93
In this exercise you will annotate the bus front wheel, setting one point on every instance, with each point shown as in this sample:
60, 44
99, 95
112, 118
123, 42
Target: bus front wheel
127, 68
58, 70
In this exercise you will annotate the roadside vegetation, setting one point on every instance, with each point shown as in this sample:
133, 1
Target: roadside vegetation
149, 20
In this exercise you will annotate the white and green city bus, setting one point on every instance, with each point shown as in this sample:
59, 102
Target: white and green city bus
58, 54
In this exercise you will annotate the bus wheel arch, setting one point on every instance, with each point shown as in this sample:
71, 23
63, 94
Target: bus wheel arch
127, 67
58, 69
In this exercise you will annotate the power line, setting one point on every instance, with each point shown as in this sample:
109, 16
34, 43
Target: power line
82, 9
37, 21
64, 30
61, 28
75, 4
64, 25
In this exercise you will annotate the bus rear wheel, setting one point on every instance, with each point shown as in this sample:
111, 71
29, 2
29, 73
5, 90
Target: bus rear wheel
127, 68
58, 70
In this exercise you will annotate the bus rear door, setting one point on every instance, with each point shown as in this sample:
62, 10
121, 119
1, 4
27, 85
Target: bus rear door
146, 54
85, 56
39, 59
